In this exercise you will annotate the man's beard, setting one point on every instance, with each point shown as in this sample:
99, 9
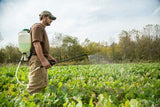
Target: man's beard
48, 24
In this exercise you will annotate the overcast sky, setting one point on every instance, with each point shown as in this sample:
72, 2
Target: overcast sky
97, 20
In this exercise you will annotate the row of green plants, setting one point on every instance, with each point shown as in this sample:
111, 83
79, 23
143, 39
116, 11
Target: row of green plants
110, 85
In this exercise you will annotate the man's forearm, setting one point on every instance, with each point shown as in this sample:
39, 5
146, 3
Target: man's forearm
38, 50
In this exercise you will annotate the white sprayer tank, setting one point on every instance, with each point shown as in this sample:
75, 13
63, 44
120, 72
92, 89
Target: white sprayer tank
24, 41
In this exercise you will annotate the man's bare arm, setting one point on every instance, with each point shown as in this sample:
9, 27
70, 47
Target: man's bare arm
40, 55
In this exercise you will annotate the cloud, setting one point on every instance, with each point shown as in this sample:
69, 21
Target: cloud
97, 20
156, 11
1, 38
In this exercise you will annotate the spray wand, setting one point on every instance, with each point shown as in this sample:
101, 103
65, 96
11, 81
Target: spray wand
50, 61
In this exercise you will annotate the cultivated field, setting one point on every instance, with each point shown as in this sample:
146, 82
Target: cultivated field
110, 85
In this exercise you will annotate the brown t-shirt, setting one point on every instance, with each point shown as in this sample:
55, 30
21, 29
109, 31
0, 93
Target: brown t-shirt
38, 34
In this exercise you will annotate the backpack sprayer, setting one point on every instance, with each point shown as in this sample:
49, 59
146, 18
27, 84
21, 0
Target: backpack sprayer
24, 42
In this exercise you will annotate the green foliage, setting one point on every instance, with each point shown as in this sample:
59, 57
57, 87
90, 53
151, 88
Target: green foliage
10, 54
133, 46
111, 85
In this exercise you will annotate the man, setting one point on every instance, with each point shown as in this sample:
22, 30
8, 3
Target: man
38, 79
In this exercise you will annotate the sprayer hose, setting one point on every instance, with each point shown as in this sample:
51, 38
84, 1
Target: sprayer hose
17, 71
28, 74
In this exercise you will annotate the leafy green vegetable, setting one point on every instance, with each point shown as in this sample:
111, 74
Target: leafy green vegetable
111, 85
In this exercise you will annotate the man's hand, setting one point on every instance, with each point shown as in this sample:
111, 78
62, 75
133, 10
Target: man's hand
53, 59
46, 64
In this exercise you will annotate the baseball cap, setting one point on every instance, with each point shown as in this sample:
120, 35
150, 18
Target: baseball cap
48, 14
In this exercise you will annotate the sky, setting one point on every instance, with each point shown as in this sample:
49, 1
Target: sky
97, 20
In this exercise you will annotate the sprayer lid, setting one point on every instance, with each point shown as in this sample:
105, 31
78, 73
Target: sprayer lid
26, 30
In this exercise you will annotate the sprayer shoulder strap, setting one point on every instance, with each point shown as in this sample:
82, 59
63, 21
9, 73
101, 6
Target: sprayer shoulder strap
29, 57
31, 50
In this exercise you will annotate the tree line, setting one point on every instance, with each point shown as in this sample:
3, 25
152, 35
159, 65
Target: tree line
133, 46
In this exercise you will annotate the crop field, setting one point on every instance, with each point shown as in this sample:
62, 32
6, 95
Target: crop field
110, 85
